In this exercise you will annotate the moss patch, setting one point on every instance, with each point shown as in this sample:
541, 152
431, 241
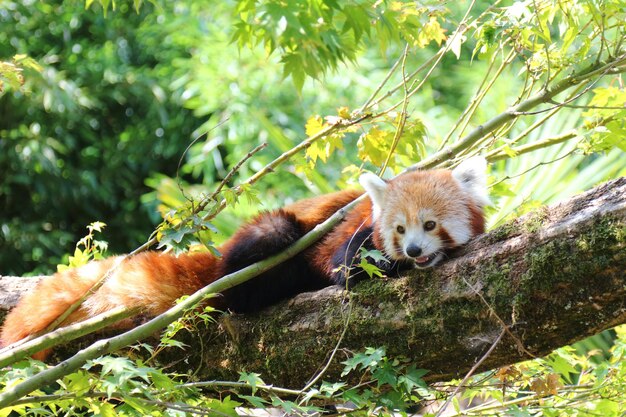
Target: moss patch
565, 270
535, 220
595, 247
379, 290
504, 232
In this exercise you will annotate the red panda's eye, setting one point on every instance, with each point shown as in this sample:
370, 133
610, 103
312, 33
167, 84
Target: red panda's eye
400, 229
429, 225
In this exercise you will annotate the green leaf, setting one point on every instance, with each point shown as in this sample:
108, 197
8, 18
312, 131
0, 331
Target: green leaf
254, 401
316, 151
78, 382
370, 358
330, 388
392, 400
432, 31
371, 269
293, 408
357, 20
413, 378
225, 407
374, 254
314, 125
103, 410
358, 397
97, 226
560, 362
385, 374
250, 194
374, 145
80, 258
252, 379
230, 196
294, 66
114, 365
27, 62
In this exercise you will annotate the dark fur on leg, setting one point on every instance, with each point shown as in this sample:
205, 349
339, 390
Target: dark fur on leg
267, 235
347, 259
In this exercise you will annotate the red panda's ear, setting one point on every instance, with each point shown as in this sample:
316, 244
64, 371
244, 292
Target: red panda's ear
471, 175
375, 188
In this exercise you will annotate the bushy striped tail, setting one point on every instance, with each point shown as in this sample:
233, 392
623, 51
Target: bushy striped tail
151, 281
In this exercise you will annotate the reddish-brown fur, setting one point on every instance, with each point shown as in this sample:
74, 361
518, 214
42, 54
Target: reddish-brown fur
156, 280
477, 219
163, 279
359, 218
313, 211
153, 281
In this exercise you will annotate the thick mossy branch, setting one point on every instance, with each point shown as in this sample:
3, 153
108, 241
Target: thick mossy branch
553, 276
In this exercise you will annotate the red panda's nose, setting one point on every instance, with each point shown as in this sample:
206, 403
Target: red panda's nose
413, 251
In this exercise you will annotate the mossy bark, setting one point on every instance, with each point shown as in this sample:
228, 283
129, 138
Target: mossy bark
552, 277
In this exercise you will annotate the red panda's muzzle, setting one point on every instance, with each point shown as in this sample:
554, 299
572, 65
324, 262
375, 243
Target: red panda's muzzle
428, 261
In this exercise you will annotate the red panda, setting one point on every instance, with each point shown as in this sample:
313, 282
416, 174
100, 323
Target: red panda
413, 219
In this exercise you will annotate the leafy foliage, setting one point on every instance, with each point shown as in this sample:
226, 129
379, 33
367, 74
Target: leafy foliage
89, 124
316, 36
564, 383
11, 72
92, 249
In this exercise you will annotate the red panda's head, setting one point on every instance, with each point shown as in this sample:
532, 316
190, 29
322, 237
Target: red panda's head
421, 214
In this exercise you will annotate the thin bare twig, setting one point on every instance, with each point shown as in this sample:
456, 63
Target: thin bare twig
474, 105
575, 97
402, 117
380, 86
470, 373
500, 153
505, 327
472, 101
193, 142
321, 373
509, 177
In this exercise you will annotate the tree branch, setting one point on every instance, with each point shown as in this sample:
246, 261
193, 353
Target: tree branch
553, 277
544, 96
143, 331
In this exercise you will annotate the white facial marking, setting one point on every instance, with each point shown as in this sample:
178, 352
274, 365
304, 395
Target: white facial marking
416, 236
375, 188
458, 228
390, 234
471, 175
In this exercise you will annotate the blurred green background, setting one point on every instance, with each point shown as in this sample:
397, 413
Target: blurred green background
101, 132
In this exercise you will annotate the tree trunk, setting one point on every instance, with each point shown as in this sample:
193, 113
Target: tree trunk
551, 277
